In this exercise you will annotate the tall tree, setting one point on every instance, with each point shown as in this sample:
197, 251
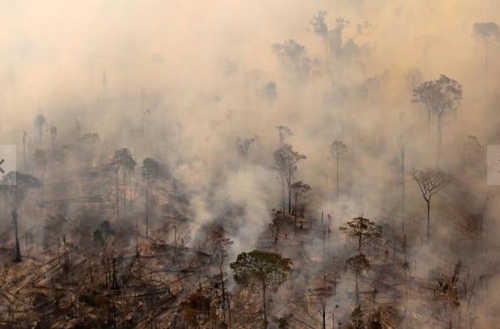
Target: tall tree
40, 124
338, 150
285, 161
224, 243
267, 269
283, 133
362, 229
17, 185
150, 172
296, 62
299, 188
429, 183
441, 97
485, 32
124, 161
402, 153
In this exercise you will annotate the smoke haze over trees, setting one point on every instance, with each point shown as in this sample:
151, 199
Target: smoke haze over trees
150, 134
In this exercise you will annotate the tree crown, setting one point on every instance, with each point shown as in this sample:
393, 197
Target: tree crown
261, 267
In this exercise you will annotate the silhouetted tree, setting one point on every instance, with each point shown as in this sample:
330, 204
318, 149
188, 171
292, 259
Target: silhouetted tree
40, 124
269, 92
299, 188
267, 269
358, 265
338, 150
123, 160
17, 185
244, 145
285, 161
362, 229
486, 31
440, 97
402, 153
283, 133
150, 172
429, 183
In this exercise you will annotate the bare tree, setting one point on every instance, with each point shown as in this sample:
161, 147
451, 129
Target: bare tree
338, 150
150, 172
402, 153
429, 183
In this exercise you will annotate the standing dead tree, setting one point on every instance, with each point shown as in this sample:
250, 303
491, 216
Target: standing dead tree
402, 153
150, 172
338, 150
429, 183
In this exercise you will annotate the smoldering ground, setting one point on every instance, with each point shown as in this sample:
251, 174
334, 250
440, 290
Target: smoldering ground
181, 81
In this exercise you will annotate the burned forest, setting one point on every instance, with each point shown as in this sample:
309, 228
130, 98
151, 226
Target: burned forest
250, 164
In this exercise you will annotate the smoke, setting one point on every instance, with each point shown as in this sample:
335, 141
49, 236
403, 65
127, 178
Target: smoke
181, 81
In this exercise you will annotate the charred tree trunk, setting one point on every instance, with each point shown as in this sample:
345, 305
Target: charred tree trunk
357, 289
124, 194
289, 183
403, 206
323, 315
428, 220
147, 208
283, 194
18, 258
338, 161
440, 139
264, 304
117, 195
